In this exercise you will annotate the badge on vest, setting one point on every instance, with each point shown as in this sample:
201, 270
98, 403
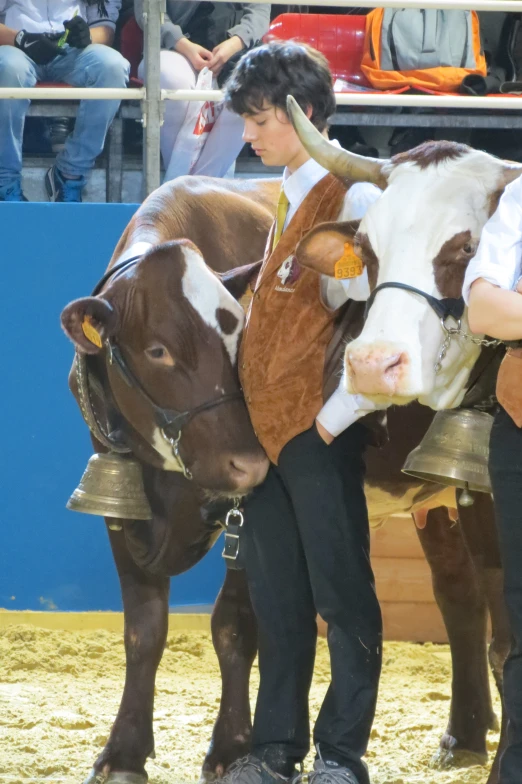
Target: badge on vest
288, 273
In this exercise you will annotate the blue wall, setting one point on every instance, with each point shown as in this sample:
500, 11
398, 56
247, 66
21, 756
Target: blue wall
51, 558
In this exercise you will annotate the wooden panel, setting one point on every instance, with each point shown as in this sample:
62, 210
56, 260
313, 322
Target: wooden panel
408, 622
396, 539
413, 622
403, 580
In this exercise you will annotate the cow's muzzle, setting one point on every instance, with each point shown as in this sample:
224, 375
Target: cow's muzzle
377, 369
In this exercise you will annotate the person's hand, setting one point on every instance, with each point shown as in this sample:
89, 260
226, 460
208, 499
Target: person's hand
323, 432
518, 288
79, 33
41, 48
222, 53
197, 55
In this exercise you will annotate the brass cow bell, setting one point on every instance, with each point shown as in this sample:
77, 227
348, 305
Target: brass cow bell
455, 452
112, 486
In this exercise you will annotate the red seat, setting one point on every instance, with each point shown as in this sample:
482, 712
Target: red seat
131, 47
340, 37
53, 84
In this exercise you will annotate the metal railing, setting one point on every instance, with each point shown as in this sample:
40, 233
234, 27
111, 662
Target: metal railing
152, 97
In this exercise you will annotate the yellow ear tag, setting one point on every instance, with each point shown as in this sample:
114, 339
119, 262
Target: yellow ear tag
349, 265
90, 332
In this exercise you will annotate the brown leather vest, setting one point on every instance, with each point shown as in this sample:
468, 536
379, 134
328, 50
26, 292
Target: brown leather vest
509, 385
288, 330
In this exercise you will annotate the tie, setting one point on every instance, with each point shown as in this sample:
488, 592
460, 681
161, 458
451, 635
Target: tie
282, 209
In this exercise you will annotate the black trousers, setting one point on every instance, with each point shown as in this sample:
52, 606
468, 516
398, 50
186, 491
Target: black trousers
505, 465
306, 551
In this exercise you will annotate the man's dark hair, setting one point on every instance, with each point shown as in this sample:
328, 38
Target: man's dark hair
268, 73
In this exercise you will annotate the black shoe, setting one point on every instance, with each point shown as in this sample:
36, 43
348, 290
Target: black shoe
59, 130
59, 188
251, 770
328, 773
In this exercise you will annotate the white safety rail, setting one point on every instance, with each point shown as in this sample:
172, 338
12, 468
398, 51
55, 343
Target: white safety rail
152, 97
74, 93
376, 99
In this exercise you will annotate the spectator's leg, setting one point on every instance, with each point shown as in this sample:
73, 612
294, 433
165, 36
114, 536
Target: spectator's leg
176, 73
16, 70
223, 145
95, 66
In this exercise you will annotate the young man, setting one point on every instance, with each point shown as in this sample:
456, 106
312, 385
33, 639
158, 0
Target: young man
306, 528
33, 48
492, 288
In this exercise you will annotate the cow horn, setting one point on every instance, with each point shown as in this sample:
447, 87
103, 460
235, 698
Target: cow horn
338, 161
511, 171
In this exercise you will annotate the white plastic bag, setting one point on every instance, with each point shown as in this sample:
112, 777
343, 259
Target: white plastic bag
199, 121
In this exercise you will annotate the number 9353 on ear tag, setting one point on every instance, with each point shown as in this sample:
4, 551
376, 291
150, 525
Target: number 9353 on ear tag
349, 265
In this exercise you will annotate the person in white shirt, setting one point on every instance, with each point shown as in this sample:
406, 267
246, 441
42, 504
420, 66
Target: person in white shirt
195, 36
305, 538
492, 289
58, 41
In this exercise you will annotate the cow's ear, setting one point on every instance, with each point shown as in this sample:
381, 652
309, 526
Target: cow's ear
89, 322
322, 247
238, 280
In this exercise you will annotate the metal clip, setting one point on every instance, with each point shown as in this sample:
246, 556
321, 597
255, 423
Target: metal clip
174, 443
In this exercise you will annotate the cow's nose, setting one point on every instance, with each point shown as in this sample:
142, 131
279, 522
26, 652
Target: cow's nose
376, 371
248, 471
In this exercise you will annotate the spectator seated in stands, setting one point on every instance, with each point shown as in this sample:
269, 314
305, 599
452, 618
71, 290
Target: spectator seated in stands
195, 35
32, 49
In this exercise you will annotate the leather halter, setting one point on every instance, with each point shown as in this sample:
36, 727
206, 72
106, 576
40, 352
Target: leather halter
167, 419
448, 306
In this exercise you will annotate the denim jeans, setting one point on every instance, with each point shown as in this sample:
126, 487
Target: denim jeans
95, 66
505, 467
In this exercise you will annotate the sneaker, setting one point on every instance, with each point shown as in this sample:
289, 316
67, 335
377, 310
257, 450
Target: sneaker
12, 192
251, 770
327, 772
61, 189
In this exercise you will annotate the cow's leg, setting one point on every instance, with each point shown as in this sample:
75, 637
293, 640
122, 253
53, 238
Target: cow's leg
145, 606
234, 633
463, 606
498, 650
478, 525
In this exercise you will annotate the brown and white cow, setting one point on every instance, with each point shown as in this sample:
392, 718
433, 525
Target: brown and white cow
421, 232
177, 326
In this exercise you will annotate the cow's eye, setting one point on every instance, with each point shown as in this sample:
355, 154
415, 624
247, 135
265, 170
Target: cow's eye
468, 249
159, 354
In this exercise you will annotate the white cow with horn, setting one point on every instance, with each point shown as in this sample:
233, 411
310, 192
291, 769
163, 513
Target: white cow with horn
421, 234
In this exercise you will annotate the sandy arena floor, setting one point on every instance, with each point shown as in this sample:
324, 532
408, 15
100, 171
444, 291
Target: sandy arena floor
59, 692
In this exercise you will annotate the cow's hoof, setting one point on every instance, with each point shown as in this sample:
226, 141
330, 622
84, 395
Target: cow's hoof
115, 777
457, 758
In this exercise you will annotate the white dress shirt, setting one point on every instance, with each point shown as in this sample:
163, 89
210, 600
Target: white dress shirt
342, 409
48, 16
499, 255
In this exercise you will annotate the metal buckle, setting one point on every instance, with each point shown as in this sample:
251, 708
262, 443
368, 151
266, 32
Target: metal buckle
233, 524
